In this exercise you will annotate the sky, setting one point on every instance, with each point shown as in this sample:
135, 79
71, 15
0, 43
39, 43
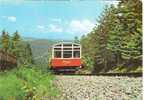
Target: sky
51, 19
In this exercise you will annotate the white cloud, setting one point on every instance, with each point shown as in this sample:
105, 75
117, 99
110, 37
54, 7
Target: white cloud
81, 27
71, 27
40, 27
10, 18
50, 28
54, 28
115, 3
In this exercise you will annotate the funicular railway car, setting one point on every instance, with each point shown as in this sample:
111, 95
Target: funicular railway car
66, 56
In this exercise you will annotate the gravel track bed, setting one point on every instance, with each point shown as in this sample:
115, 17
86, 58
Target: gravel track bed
99, 88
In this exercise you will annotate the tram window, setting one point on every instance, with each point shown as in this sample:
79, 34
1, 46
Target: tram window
76, 48
57, 54
65, 45
58, 45
68, 49
67, 54
76, 54
57, 48
76, 45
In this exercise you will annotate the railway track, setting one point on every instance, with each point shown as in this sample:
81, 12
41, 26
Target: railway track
137, 74
98, 87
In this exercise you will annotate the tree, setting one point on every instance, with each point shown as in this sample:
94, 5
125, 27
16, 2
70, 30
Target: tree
28, 53
117, 40
131, 20
87, 52
15, 39
5, 41
99, 39
76, 39
14, 45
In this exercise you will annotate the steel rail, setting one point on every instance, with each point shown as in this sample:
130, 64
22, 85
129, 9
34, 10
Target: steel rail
135, 74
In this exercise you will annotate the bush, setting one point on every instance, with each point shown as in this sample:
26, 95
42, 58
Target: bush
26, 83
87, 63
10, 87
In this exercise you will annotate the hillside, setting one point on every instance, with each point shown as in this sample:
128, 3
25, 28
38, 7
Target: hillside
40, 51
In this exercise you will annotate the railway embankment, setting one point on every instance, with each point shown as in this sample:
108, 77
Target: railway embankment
99, 87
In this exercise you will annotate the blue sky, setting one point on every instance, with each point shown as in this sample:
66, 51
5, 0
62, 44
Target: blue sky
51, 19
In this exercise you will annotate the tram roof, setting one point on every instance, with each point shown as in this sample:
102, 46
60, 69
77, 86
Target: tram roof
60, 43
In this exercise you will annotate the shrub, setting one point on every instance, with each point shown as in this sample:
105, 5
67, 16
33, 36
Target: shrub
87, 63
26, 83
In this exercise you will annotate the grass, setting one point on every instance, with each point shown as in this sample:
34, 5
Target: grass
26, 83
127, 69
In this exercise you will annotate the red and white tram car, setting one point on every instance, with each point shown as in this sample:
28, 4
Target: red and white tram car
66, 56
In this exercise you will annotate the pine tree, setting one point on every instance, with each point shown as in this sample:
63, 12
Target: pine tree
76, 39
131, 19
102, 53
28, 53
117, 40
115, 34
5, 41
15, 39
87, 53
14, 45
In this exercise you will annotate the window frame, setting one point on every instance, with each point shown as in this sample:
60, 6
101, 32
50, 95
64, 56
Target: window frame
62, 47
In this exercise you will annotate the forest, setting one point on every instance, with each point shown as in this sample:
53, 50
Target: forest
115, 43
16, 46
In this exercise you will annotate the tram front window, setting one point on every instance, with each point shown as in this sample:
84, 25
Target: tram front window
76, 54
67, 54
57, 54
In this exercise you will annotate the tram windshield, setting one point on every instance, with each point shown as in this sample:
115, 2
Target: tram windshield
67, 54
66, 51
57, 54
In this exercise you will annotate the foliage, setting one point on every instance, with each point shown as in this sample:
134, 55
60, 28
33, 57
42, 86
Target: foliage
16, 46
26, 83
15, 39
76, 39
10, 86
117, 39
5, 41
87, 62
